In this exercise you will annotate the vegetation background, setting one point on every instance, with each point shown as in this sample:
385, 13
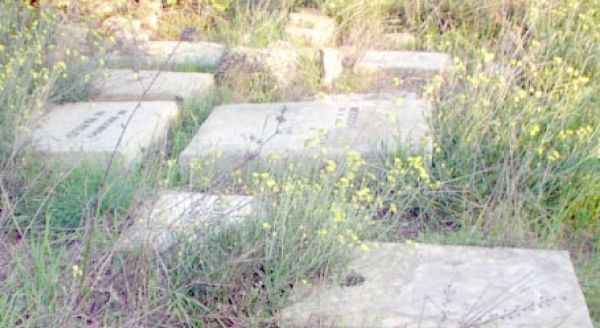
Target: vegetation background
516, 159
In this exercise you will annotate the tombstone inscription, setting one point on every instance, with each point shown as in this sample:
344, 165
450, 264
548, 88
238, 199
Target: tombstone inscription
420, 285
81, 130
368, 124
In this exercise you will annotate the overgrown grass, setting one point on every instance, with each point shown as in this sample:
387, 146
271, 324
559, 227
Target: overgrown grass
515, 163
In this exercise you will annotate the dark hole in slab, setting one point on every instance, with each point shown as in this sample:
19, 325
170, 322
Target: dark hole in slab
353, 279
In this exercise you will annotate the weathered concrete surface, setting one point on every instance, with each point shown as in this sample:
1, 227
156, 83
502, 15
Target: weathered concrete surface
177, 215
426, 286
168, 54
281, 63
332, 65
311, 28
80, 131
402, 62
122, 84
368, 124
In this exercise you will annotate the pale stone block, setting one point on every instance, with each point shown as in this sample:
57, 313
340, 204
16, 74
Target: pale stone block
169, 54
332, 64
402, 62
131, 85
90, 130
181, 216
427, 286
368, 124
279, 63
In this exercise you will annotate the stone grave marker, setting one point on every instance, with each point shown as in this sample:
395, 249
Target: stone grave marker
122, 84
368, 124
280, 62
90, 130
155, 54
311, 28
426, 286
332, 63
402, 62
177, 215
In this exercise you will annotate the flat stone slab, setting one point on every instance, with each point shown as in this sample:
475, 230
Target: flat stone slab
402, 62
280, 63
368, 124
154, 54
123, 84
77, 131
417, 285
177, 215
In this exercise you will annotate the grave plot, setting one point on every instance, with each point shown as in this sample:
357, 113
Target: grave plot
131, 85
402, 62
416, 285
277, 63
311, 28
169, 55
177, 215
82, 131
368, 124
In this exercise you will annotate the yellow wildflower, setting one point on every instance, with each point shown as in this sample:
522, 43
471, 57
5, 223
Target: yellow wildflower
330, 166
535, 130
554, 155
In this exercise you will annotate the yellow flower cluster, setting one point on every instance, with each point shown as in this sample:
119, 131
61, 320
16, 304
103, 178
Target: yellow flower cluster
265, 182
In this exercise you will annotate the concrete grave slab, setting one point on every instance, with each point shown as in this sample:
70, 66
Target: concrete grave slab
426, 286
332, 65
311, 28
368, 124
155, 54
79, 131
280, 63
122, 84
402, 62
178, 215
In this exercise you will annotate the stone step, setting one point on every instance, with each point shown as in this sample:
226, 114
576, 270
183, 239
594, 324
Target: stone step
74, 132
403, 62
368, 124
168, 55
419, 285
177, 216
124, 84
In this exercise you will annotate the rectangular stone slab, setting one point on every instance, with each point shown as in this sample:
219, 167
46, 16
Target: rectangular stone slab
122, 84
184, 215
426, 286
368, 124
154, 54
402, 62
78, 131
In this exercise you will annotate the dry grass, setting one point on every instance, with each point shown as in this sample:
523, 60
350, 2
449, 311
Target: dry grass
515, 163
